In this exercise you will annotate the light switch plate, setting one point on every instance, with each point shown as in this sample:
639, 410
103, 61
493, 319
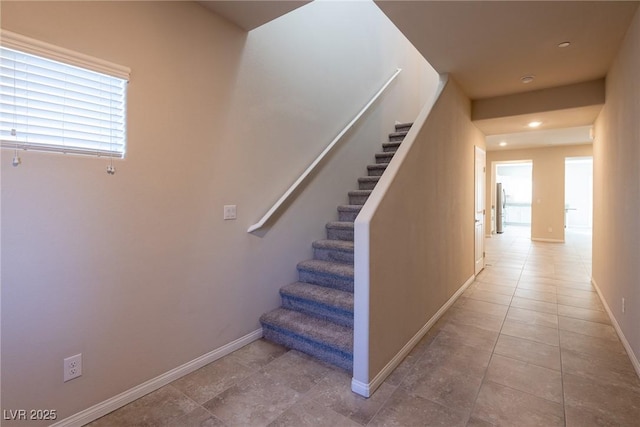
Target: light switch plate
230, 212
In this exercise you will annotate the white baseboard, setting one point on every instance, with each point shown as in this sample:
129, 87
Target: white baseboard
540, 239
366, 390
109, 405
614, 322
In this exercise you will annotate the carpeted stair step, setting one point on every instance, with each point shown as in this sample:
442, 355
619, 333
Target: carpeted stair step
319, 338
391, 147
403, 127
358, 197
334, 275
367, 182
319, 301
333, 250
340, 230
348, 213
377, 170
397, 136
384, 157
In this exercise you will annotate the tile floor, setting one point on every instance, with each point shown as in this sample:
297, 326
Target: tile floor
528, 344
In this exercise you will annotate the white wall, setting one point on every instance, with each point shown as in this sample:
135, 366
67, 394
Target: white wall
138, 271
616, 175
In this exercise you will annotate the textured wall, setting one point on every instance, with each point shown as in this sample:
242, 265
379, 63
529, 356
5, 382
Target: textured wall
138, 271
422, 233
616, 170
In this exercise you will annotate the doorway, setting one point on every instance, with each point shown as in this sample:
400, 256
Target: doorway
514, 181
578, 193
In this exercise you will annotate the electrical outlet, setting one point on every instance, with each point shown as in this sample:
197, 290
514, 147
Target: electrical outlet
550, 230
230, 212
72, 367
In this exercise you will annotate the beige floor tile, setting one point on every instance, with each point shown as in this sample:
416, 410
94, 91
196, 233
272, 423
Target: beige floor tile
468, 335
449, 373
199, 417
615, 371
591, 304
532, 317
407, 409
335, 393
536, 295
536, 286
541, 382
594, 347
584, 314
617, 405
577, 293
593, 329
258, 400
529, 304
309, 413
547, 356
482, 306
258, 353
504, 406
541, 334
160, 407
512, 273
498, 289
477, 422
491, 297
297, 370
490, 322
212, 379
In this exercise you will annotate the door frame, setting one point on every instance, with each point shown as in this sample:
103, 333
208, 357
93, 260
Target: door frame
480, 212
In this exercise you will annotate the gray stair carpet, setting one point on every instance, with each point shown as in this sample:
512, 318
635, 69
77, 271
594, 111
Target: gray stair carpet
316, 316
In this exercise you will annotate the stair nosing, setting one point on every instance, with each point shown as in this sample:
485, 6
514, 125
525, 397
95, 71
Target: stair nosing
316, 334
290, 291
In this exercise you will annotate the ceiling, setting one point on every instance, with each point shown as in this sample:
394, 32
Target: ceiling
250, 14
488, 46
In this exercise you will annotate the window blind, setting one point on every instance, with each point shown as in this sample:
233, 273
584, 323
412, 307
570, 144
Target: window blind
48, 105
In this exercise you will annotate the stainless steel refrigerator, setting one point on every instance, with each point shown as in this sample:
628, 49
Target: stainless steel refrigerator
500, 206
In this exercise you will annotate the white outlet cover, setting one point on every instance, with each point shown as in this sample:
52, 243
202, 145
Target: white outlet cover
72, 367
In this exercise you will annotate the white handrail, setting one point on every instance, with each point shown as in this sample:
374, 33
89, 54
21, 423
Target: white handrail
312, 166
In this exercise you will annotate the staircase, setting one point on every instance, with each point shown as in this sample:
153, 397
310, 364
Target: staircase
316, 316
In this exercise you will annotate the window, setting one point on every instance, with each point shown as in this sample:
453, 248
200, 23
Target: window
49, 105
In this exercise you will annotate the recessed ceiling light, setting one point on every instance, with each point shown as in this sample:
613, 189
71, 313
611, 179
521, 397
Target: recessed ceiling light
502, 143
527, 79
534, 124
564, 44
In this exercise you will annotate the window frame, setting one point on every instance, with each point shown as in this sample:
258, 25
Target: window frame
71, 58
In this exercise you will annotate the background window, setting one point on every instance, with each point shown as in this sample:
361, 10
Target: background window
47, 105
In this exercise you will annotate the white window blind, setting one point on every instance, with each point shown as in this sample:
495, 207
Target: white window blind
48, 105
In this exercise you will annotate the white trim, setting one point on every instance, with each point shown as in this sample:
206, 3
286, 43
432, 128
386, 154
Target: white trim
634, 359
258, 225
365, 389
538, 239
26, 44
109, 405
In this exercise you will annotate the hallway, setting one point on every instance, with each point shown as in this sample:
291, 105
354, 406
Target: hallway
527, 344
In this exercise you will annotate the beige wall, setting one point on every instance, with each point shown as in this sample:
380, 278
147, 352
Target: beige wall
616, 227
547, 210
422, 233
138, 271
